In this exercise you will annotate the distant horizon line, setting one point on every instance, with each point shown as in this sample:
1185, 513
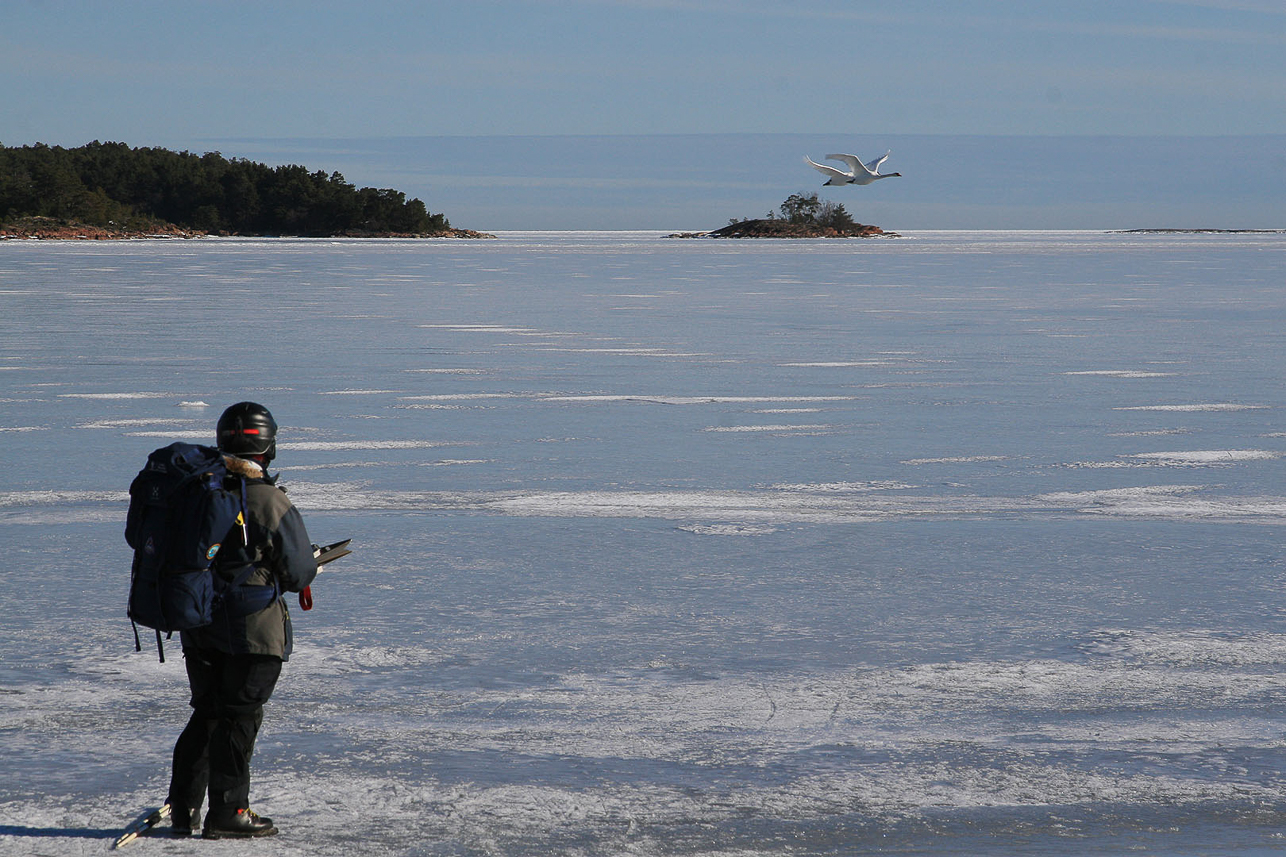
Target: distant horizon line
1146, 230
763, 134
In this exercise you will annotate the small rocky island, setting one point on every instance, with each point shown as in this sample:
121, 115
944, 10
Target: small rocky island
800, 216
1200, 231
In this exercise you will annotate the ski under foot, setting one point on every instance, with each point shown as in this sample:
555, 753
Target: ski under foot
142, 824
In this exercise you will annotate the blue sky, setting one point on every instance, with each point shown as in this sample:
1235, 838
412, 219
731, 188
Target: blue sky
229, 75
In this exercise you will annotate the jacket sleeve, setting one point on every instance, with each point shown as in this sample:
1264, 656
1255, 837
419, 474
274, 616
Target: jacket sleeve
297, 566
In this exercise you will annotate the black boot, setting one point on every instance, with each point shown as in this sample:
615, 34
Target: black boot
184, 819
236, 823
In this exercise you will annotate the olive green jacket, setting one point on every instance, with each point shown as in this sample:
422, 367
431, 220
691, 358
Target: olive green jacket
278, 547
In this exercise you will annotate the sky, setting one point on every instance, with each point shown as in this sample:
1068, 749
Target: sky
291, 80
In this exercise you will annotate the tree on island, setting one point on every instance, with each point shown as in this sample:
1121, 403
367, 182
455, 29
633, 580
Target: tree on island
113, 185
802, 215
808, 210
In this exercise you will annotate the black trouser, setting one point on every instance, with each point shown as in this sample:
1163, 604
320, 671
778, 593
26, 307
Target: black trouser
228, 694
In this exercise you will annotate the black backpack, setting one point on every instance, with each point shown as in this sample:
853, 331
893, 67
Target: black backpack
180, 514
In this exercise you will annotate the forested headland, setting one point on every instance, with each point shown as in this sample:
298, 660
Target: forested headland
106, 190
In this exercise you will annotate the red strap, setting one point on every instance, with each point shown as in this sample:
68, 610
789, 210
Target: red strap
306, 598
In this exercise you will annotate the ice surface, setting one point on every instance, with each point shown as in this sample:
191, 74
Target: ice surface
961, 543
1212, 407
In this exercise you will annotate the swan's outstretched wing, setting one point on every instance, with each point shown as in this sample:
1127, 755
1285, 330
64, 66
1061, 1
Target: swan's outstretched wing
829, 172
875, 165
854, 163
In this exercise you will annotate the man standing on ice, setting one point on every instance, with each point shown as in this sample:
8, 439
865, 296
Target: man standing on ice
233, 664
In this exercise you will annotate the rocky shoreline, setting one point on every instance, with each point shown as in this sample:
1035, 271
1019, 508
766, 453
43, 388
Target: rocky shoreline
48, 228
51, 229
775, 228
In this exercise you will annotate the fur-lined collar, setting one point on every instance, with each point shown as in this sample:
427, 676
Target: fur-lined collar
243, 467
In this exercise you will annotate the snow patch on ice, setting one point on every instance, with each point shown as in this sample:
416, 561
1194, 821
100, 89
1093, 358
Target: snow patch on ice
1169, 502
1189, 648
843, 487
693, 400
1123, 373
53, 497
728, 529
1152, 433
482, 328
351, 445
840, 364
464, 397
1210, 456
334, 465
1105, 465
110, 396
1190, 458
358, 392
1207, 408
349, 465
628, 352
449, 371
611, 398
1117, 494
135, 422
771, 428
962, 459
430, 407
185, 434
814, 505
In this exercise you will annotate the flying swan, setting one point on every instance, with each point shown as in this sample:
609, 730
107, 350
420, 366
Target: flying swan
859, 173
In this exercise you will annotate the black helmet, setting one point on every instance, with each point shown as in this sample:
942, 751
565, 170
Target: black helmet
247, 429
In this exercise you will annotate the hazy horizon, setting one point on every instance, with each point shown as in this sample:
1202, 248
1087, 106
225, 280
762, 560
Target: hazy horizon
701, 181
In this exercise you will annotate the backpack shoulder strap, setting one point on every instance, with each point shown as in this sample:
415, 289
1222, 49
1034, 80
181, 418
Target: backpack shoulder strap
245, 513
